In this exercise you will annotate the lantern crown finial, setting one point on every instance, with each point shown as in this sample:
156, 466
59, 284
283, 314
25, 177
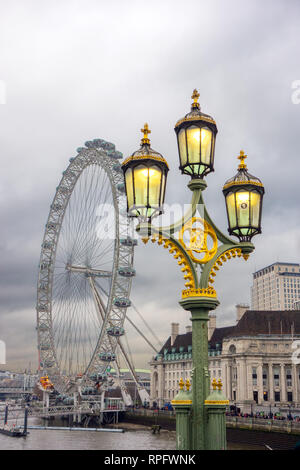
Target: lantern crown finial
214, 384
181, 383
195, 97
146, 131
242, 157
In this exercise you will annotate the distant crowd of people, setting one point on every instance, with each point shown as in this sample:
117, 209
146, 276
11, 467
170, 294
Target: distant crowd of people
263, 415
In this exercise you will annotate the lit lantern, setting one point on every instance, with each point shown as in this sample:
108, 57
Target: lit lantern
145, 173
244, 196
196, 138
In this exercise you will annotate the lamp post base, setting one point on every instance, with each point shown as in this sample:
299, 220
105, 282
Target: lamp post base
199, 308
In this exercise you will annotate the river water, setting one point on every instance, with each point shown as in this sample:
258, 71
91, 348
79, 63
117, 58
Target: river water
135, 437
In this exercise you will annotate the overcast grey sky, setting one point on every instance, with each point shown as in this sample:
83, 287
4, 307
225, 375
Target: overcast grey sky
76, 70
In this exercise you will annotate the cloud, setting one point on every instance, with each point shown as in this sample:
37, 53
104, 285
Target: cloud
74, 73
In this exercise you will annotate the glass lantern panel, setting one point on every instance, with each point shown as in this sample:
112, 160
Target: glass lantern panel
163, 189
255, 208
243, 208
230, 202
213, 143
129, 187
193, 144
206, 141
182, 147
155, 175
141, 173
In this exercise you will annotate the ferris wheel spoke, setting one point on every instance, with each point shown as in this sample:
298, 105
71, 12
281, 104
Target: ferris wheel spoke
85, 211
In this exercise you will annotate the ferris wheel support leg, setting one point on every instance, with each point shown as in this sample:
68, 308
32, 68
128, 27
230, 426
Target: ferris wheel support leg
75, 416
101, 309
46, 399
102, 406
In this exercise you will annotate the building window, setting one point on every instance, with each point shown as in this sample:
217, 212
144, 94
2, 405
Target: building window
254, 376
265, 396
276, 376
255, 396
277, 396
289, 377
289, 396
265, 376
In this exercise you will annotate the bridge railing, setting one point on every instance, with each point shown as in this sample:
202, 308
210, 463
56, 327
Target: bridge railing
265, 423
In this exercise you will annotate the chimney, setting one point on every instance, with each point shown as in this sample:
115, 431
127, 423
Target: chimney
174, 332
211, 325
240, 310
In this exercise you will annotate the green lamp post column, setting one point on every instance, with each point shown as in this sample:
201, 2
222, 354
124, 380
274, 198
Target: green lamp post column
199, 309
215, 405
183, 403
195, 242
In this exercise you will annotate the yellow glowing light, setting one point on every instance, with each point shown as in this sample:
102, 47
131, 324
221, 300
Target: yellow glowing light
205, 135
242, 197
148, 172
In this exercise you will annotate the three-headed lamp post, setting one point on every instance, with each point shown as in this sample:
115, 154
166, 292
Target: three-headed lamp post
195, 240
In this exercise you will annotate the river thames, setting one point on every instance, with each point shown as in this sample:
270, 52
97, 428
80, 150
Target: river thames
135, 437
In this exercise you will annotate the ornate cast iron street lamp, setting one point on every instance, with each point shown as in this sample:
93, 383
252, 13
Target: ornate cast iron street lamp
196, 137
195, 240
244, 195
145, 179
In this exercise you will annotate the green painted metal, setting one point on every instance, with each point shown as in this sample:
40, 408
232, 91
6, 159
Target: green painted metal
183, 419
202, 426
216, 421
199, 308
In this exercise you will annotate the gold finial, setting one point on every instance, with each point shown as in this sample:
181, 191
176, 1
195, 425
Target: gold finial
242, 157
219, 384
214, 384
181, 383
195, 97
188, 385
146, 131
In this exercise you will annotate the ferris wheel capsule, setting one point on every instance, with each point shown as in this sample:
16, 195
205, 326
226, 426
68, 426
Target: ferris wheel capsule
121, 187
117, 167
122, 302
129, 241
127, 271
107, 356
115, 331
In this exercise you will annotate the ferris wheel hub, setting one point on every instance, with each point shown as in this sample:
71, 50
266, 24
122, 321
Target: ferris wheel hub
88, 271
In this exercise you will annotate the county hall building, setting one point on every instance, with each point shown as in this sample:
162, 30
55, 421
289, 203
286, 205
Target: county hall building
258, 359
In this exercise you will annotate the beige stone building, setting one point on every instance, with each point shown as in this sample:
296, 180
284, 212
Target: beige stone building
256, 360
276, 287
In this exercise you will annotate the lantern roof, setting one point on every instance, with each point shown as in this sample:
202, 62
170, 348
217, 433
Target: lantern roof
195, 114
242, 176
145, 152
